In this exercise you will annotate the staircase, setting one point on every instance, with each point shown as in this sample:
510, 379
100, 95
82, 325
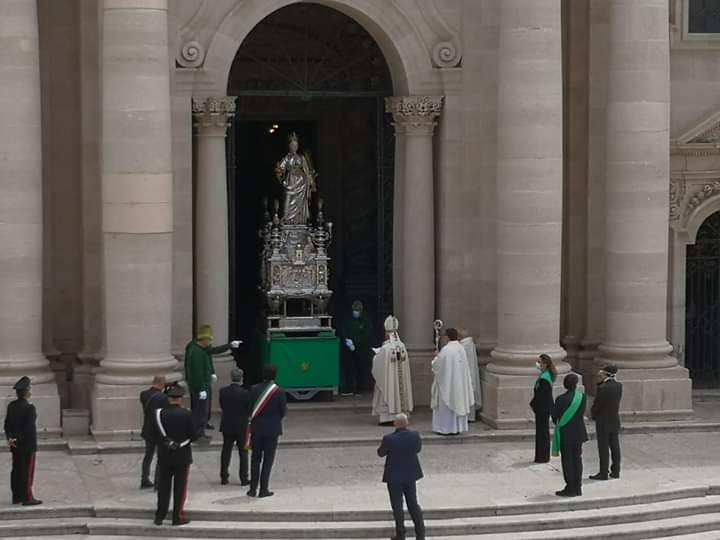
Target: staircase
680, 514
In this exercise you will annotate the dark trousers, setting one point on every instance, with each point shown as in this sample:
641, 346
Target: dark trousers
22, 476
397, 491
150, 447
354, 370
571, 457
229, 441
263, 456
209, 404
199, 408
609, 444
542, 438
173, 477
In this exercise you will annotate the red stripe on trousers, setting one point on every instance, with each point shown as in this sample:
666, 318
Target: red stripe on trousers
181, 514
31, 476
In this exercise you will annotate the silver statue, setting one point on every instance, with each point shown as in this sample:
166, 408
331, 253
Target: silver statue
296, 173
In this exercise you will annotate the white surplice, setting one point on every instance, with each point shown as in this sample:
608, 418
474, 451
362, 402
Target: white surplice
471, 353
452, 392
393, 385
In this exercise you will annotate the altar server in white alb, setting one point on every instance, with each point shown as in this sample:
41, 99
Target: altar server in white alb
391, 371
452, 392
468, 344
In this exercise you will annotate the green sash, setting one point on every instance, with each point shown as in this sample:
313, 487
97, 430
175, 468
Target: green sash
544, 375
564, 419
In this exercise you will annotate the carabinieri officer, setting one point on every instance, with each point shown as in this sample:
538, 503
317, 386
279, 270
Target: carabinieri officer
21, 435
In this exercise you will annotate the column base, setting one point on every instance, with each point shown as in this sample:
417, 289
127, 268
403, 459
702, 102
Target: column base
116, 412
46, 399
656, 394
506, 399
422, 375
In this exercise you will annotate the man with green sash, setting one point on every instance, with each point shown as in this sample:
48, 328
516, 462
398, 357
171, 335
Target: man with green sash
570, 434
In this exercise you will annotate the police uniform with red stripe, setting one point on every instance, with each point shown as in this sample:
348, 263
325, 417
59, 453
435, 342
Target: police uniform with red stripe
174, 456
21, 434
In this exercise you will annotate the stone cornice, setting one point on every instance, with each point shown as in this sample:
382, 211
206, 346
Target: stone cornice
213, 112
702, 139
414, 114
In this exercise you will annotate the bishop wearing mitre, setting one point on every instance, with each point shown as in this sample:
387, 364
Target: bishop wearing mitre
391, 371
451, 396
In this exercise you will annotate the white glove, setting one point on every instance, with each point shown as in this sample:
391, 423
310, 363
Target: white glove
213, 377
203, 395
235, 343
376, 349
349, 344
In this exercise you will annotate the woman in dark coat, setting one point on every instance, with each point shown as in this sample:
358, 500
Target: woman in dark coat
542, 406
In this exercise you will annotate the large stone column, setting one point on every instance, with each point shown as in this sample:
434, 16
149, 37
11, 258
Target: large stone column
137, 210
529, 206
212, 116
636, 189
21, 214
415, 118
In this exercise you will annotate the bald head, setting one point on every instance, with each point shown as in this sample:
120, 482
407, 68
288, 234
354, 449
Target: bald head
159, 381
401, 420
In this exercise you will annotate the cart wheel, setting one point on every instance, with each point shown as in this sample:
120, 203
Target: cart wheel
303, 395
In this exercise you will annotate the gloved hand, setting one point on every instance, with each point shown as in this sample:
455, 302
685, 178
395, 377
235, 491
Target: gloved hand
203, 395
235, 343
350, 344
214, 378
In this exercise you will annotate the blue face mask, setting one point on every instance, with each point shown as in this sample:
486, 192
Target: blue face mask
356, 314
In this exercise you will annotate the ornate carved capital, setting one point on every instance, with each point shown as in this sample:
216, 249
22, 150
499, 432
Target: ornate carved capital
213, 114
414, 114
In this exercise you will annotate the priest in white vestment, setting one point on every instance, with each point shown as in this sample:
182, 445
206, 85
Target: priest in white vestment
468, 344
391, 371
452, 392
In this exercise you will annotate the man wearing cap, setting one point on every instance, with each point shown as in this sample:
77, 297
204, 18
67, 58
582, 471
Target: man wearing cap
605, 411
151, 399
391, 371
175, 430
356, 334
236, 408
21, 435
200, 374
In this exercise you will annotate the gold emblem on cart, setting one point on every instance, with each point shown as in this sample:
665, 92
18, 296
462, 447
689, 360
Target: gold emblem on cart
305, 366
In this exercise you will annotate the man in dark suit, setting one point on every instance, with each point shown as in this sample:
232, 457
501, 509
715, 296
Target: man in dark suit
269, 408
606, 413
402, 469
21, 435
175, 431
151, 400
572, 434
235, 404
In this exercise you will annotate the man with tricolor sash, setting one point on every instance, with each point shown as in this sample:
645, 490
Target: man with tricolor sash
264, 428
569, 435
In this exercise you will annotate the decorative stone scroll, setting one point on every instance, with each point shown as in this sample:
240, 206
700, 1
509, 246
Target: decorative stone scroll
191, 54
213, 111
445, 54
414, 113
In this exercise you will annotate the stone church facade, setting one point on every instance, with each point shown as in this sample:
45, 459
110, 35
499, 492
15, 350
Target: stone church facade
552, 162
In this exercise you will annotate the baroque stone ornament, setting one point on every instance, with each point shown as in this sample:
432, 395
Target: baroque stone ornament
414, 113
708, 190
191, 54
677, 194
213, 111
446, 55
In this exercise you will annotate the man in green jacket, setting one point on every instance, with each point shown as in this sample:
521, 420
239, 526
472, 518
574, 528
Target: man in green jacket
200, 374
356, 334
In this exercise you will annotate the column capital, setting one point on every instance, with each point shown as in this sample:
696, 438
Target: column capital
414, 114
213, 112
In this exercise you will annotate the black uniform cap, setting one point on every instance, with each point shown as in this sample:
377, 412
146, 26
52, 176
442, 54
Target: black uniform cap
176, 391
22, 384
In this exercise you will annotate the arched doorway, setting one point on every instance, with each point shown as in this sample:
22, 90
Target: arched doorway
702, 311
312, 70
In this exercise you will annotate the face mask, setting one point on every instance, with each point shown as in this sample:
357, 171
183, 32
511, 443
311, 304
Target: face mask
539, 366
356, 314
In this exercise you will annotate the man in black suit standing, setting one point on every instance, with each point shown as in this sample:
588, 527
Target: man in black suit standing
605, 411
151, 400
570, 434
21, 435
175, 431
402, 469
269, 409
235, 404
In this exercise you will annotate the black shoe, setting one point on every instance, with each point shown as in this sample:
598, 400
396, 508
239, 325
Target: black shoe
31, 502
204, 439
146, 484
158, 521
398, 537
181, 522
224, 481
598, 476
209, 426
542, 460
564, 493
614, 475
252, 493
266, 494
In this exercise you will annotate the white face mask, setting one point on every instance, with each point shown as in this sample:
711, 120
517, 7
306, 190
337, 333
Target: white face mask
539, 366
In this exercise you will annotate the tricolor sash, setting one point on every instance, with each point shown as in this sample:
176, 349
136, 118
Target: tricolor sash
564, 419
267, 394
